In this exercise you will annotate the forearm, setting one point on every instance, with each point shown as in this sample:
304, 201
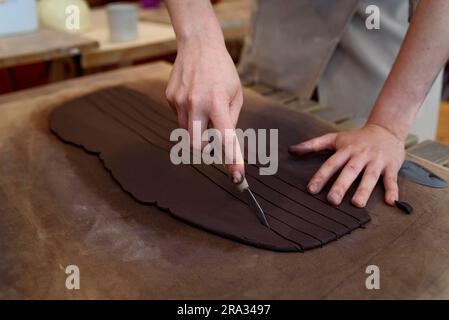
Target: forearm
423, 54
194, 19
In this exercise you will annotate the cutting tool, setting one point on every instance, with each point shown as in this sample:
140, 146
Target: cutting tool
244, 187
421, 175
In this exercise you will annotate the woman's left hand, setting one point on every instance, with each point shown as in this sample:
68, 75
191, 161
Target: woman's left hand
373, 150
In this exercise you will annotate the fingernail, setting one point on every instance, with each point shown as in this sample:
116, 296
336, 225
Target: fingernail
359, 202
391, 201
237, 177
312, 188
334, 198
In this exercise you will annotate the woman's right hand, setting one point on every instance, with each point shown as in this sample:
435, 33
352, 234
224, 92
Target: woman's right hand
204, 86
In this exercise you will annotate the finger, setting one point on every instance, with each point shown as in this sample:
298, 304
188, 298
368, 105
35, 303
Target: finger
391, 185
173, 83
347, 176
222, 122
180, 107
183, 118
236, 107
366, 187
170, 98
197, 124
325, 142
327, 170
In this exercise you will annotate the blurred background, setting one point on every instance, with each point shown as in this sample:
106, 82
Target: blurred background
32, 57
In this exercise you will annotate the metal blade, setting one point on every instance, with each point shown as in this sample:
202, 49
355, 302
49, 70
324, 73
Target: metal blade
421, 175
255, 205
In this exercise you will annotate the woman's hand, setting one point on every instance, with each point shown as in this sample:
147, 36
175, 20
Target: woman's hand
204, 86
373, 150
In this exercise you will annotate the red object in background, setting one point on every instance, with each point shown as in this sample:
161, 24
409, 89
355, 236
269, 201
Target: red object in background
23, 77
5, 86
96, 3
150, 3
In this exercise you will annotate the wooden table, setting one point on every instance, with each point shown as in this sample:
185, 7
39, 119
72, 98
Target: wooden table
43, 45
155, 39
46, 45
234, 16
156, 36
59, 207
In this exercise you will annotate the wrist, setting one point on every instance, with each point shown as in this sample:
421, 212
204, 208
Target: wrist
395, 114
194, 21
398, 130
197, 23
200, 36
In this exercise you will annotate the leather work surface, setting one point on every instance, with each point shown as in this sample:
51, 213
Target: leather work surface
60, 207
131, 135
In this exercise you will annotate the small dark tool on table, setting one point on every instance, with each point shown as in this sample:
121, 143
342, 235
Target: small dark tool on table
420, 175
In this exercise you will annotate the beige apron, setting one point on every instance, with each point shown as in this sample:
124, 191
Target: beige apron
297, 45
361, 63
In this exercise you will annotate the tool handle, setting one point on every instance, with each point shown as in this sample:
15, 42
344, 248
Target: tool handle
242, 186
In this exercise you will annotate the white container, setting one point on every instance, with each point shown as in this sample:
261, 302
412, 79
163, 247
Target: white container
122, 20
17, 16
